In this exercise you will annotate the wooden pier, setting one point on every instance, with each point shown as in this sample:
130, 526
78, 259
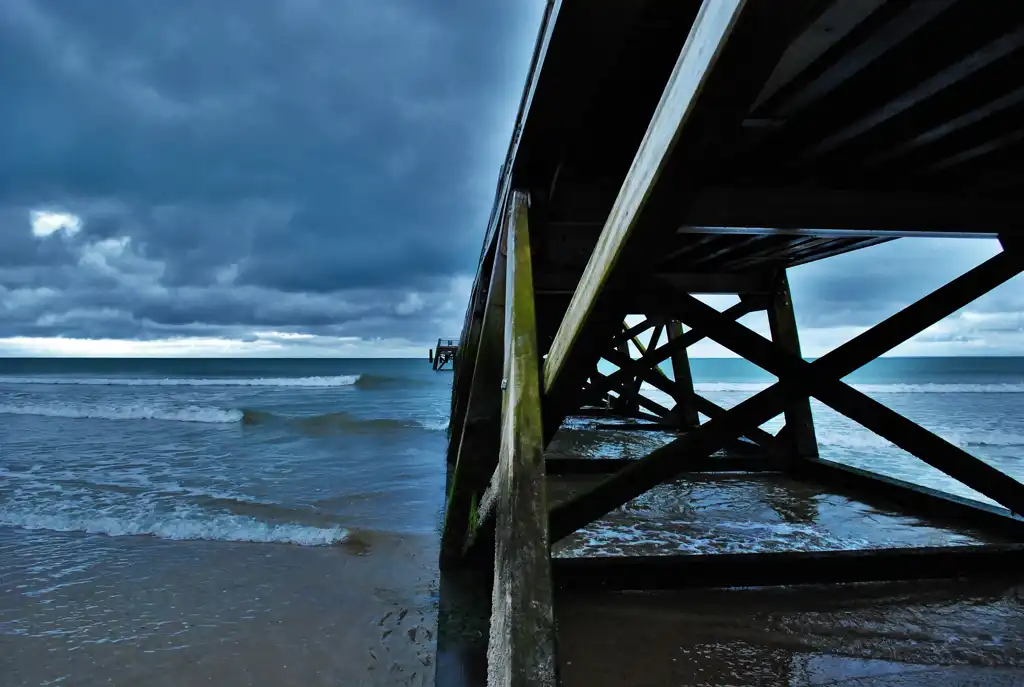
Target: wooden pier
670, 148
445, 352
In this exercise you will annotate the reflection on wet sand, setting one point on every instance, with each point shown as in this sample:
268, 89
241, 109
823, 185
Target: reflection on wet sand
935, 633
880, 634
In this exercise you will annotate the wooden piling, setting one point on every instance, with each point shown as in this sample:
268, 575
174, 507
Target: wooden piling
521, 652
782, 323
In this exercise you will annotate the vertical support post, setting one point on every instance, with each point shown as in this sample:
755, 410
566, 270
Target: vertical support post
799, 430
521, 651
685, 410
475, 447
624, 404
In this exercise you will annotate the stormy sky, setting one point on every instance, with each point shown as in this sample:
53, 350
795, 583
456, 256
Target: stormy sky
305, 177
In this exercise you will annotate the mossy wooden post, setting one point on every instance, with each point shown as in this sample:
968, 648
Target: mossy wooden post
685, 410
475, 447
799, 432
521, 651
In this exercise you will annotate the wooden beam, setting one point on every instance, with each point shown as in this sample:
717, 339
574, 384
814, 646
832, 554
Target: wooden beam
540, 50
565, 283
710, 31
521, 650
469, 342
662, 353
789, 567
834, 24
664, 463
914, 16
913, 499
782, 323
757, 435
826, 385
842, 213
996, 50
475, 446
937, 133
685, 411
607, 466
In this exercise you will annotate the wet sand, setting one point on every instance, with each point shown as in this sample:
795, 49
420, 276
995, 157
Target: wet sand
184, 613
907, 634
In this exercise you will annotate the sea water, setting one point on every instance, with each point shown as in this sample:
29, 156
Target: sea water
275, 521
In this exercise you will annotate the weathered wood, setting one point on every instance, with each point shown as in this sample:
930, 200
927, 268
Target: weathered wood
710, 30
475, 447
947, 78
820, 381
789, 567
844, 213
834, 24
607, 466
521, 650
914, 16
664, 462
633, 368
782, 323
913, 499
763, 439
685, 410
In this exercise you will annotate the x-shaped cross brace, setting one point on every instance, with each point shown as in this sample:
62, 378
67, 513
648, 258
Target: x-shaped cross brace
821, 379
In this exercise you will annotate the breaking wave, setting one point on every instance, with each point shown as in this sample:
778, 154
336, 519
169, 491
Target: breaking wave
864, 440
126, 412
339, 380
339, 422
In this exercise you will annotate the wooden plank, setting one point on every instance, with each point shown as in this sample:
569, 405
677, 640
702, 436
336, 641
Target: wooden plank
914, 16
664, 463
711, 29
607, 466
826, 385
685, 410
789, 567
476, 445
564, 283
782, 323
910, 498
937, 133
836, 213
521, 650
834, 24
952, 75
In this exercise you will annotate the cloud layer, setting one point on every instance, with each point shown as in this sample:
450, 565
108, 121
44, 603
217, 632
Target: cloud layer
220, 169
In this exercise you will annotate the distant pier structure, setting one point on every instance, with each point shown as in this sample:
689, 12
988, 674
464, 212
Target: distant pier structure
666, 149
443, 353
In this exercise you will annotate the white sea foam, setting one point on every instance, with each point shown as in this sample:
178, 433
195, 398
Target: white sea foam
437, 426
139, 411
339, 380
865, 440
754, 387
179, 527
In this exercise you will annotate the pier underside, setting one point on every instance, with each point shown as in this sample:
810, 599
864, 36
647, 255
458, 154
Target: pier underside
665, 150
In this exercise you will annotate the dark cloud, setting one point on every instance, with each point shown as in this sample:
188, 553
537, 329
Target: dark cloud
296, 164
305, 173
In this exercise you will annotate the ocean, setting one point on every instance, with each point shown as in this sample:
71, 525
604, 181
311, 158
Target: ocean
275, 522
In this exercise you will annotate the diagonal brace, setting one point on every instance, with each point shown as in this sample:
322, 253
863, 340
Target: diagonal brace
663, 463
824, 384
